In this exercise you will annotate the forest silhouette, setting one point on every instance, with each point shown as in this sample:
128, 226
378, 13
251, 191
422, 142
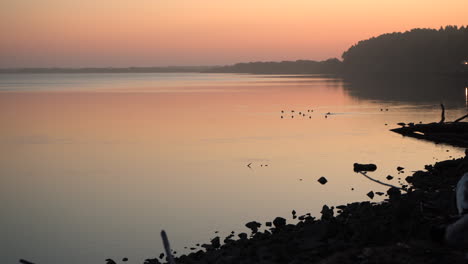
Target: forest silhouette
418, 51
443, 51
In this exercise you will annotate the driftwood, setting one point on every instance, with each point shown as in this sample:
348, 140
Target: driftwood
453, 133
461, 118
442, 118
383, 183
167, 247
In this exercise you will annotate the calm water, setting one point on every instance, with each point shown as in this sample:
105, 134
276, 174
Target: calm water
94, 165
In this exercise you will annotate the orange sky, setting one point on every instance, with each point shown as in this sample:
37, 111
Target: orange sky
73, 33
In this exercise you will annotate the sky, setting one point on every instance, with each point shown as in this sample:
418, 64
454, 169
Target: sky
123, 33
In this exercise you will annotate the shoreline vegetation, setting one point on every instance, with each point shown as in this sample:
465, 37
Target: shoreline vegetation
414, 52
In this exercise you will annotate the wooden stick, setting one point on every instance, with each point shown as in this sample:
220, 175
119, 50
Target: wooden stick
383, 183
167, 247
461, 118
442, 114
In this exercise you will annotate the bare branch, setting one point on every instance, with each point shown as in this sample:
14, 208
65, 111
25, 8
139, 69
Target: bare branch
383, 183
461, 118
442, 120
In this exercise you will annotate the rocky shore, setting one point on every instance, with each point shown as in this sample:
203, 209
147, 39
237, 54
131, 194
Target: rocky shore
401, 229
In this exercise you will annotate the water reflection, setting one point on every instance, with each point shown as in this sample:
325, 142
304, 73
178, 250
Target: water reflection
466, 97
105, 171
418, 89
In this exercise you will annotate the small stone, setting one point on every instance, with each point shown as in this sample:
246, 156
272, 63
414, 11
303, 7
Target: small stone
268, 223
125, 259
161, 256
389, 177
327, 213
215, 242
379, 193
364, 167
242, 236
371, 194
253, 226
322, 180
400, 168
279, 222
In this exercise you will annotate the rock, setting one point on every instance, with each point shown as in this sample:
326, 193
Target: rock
253, 226
161, 256
394, 193
371, 194
294, 216
208, 247
364, 167
400, 168
152, 261
279, 222
23, 261
268, 223
242, 236
389, 177
322, 180
215, 242
327, 213
125, 259
379, 193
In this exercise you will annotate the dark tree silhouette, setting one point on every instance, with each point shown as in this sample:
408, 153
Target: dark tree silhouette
416, 51
284, 67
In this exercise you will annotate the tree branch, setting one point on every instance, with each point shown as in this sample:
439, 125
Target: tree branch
383, 183
461, 118
442, 114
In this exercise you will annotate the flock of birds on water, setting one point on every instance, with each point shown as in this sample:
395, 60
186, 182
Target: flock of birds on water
310, 111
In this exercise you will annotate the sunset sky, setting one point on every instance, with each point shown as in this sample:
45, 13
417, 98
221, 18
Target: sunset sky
120, 33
